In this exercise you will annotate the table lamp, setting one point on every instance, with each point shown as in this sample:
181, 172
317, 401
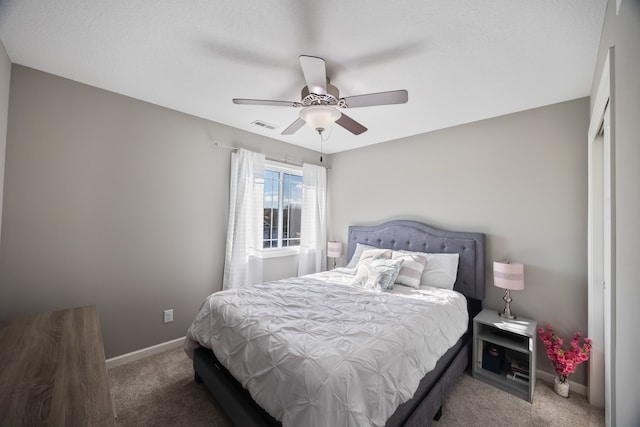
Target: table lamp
508, 276
334, 250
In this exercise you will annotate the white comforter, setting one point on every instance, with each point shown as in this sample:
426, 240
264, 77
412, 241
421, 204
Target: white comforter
314, 351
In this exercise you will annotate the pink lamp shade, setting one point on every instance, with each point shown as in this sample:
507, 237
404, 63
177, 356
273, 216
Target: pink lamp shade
334, 249
508, 275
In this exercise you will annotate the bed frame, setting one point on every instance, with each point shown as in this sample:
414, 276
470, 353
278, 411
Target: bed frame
427, 402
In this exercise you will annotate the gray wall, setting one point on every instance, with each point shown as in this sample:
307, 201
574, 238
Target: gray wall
623, 32
116, 202
5, 81
521, 179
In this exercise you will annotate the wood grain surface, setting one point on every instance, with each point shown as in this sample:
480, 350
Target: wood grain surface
52, 370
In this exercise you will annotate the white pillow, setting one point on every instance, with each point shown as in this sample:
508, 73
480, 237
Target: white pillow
378, 274
370, 254
412, 267
441, 270
360, 247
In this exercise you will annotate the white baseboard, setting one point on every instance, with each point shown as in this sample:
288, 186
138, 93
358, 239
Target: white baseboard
549, 378
144, 352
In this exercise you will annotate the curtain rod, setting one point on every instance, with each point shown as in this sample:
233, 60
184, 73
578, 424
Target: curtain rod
275, 159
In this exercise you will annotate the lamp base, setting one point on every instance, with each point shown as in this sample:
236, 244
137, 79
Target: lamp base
507, 316
506, 313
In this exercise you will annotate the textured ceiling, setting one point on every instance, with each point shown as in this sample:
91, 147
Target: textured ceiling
460, 61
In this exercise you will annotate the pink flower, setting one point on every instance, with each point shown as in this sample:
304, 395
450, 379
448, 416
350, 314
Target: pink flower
564, 361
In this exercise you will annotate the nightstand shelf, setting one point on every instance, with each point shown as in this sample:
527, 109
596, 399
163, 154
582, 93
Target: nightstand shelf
504, 353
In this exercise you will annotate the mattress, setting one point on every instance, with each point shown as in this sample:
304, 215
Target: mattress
316, 351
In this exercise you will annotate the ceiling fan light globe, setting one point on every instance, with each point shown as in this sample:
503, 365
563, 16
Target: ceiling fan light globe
319, 117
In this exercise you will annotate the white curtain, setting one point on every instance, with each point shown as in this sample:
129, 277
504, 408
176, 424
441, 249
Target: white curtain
243, 258
313, 227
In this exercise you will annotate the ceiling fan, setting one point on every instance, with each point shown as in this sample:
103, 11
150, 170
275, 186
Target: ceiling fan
320, 101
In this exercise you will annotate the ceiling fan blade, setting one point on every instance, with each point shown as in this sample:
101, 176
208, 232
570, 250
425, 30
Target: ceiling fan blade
266, 102
293, 127
351, 125
315, 74
380, 98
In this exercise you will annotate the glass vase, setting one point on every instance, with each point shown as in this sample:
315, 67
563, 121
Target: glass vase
562, 388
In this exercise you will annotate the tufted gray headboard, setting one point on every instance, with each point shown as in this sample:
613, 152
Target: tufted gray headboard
415, 236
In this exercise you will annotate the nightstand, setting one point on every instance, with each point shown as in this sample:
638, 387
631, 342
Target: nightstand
504, 353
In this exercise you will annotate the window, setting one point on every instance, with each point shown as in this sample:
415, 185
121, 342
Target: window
282, 206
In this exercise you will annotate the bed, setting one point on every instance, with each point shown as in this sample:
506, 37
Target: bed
424, 404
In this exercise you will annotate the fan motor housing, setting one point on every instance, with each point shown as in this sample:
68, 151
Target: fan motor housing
330, 98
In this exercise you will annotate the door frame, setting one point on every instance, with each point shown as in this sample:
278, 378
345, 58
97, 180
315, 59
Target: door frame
601, 247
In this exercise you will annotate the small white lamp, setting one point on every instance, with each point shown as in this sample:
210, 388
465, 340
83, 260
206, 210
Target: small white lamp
334, 250
509, 276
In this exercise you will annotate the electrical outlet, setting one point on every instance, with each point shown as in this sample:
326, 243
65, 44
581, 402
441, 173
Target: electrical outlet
168, 315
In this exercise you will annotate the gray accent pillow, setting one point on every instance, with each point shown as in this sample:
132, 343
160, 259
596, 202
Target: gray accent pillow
377, 274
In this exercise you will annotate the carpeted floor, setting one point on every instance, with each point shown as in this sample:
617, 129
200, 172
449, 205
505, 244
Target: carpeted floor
160, 391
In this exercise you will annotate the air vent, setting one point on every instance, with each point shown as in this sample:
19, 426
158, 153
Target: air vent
264, 124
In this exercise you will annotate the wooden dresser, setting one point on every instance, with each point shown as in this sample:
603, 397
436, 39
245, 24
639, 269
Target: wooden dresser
53, 372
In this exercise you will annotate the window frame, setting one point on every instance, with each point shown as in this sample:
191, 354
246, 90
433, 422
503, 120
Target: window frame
292, 170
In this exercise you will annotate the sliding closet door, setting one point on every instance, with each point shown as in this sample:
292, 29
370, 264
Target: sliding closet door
596, 271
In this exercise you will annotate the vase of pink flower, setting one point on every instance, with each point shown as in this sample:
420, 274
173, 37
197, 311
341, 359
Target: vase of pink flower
564, 361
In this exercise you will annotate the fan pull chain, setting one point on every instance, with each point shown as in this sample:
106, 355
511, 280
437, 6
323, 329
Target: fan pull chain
321, 140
